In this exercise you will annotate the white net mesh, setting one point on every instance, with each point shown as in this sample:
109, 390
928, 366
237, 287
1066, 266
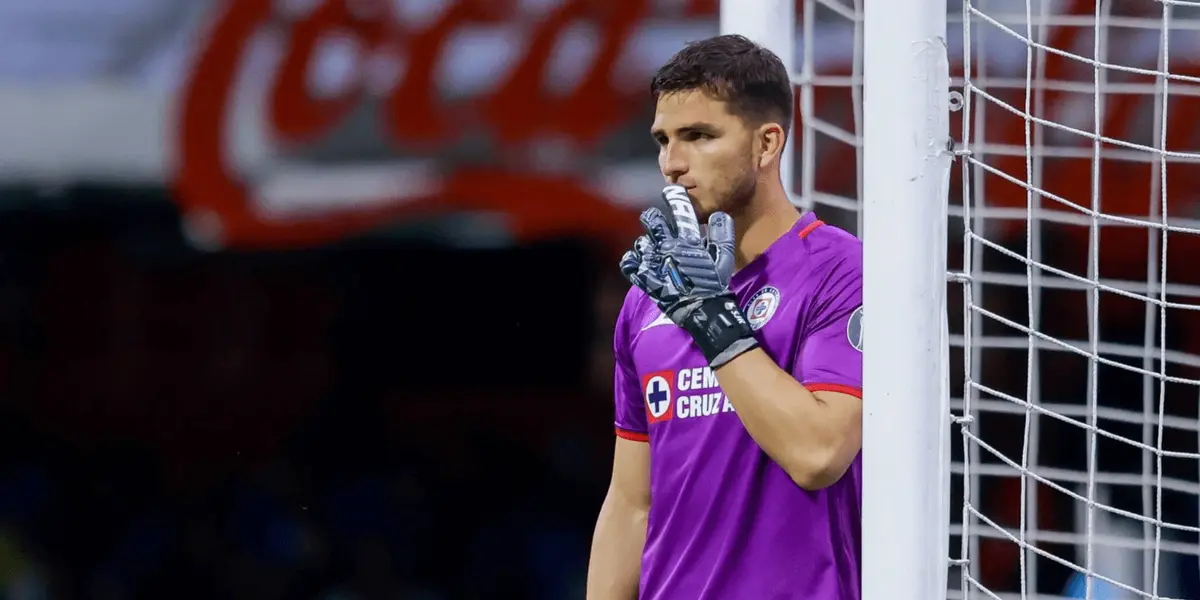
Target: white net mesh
1075, 220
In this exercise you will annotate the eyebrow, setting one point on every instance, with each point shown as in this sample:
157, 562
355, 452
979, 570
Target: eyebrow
698, 126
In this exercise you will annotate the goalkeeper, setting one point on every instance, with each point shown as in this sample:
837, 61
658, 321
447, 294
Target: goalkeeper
738, 352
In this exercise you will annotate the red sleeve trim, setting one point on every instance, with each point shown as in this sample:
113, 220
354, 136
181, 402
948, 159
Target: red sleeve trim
632, 436
809, 228
835, 387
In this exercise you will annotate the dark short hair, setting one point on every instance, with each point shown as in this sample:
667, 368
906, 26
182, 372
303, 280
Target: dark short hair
735, 70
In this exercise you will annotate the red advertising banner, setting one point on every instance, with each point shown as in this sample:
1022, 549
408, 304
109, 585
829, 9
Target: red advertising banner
414, 116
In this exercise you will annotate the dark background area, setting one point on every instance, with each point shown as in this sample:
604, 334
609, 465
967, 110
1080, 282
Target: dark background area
379, 419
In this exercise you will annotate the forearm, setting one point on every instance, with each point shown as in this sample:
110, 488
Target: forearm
792, 425
616, 559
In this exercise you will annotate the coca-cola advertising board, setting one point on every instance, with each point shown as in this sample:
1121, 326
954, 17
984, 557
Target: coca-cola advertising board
288, 123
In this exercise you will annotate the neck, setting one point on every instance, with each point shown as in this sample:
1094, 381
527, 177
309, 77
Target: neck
765, 219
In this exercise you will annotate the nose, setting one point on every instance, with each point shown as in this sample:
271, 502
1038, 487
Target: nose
673, 163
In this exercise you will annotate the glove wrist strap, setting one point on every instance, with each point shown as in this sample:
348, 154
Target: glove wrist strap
718, 327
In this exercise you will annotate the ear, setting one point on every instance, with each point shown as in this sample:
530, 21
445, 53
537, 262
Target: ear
769, 141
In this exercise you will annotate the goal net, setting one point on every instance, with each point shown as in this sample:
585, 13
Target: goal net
1074, 282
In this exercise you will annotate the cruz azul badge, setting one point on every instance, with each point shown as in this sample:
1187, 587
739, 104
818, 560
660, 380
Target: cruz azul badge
761, 307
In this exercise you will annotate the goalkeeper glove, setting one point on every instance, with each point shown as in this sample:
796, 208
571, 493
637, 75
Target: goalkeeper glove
688, 275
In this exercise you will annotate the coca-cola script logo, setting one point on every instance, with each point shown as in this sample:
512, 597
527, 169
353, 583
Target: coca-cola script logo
221, 205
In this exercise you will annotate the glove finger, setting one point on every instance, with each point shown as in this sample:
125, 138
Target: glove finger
654, 284
630, 264
657, 225
720, 245
686, 225
644, 247
720, 229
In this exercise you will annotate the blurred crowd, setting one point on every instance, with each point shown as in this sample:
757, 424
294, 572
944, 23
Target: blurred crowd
378, 420
101, 524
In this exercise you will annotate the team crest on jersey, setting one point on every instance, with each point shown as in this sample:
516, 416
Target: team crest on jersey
761, 307
854, 329
660, 405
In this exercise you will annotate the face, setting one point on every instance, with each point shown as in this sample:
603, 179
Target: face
705, 148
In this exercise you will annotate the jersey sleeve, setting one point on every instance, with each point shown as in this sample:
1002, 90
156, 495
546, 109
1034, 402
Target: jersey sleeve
830, 352
629, 412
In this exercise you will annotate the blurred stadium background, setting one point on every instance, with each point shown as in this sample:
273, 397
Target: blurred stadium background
244, 247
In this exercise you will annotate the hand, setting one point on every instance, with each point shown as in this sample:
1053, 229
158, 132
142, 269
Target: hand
672, 262
688, 275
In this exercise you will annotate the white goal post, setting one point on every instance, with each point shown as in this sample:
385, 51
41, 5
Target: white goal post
906, 154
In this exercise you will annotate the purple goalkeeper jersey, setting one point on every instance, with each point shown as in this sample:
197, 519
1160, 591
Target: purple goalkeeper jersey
726, 522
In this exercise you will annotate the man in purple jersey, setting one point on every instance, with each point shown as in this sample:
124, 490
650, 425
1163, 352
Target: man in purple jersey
738, 352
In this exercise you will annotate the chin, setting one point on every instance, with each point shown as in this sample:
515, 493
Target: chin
703, 209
